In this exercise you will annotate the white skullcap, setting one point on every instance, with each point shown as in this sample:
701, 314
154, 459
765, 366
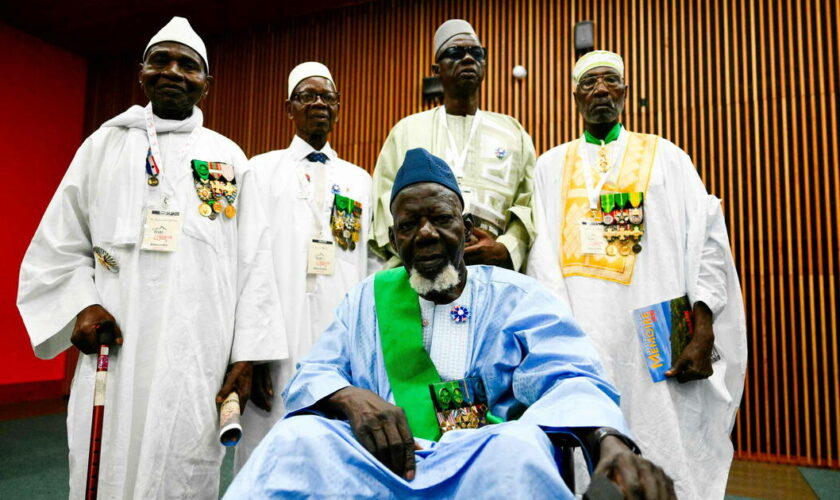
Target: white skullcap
448, 30
307, 70
596, 59
179, 30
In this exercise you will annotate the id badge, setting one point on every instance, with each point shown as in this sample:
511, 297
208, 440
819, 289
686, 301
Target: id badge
321, 257
161, 231
592, 238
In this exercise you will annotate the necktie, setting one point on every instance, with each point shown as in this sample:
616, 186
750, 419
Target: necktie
317, 156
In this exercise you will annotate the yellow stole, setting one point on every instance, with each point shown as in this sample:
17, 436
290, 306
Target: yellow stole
633, 175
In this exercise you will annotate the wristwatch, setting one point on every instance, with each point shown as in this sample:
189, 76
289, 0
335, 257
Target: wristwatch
599, 434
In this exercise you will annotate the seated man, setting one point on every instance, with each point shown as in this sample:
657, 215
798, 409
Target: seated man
364, 422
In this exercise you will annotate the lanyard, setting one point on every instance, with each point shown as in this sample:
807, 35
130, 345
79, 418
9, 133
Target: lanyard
320, 214
458, 159
593, 193
154, 147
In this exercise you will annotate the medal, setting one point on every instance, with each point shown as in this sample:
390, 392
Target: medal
227, 172
152, 169
624, 250
607, 205
635, 216
459, 314
214, 182
106, 260
201, 170
611, 249
214, 169
636, 234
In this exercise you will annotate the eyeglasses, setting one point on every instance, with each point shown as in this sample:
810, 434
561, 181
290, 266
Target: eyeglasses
328, 98
611, 80
457, 53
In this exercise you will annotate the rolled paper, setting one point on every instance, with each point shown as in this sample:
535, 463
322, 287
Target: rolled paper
230, 431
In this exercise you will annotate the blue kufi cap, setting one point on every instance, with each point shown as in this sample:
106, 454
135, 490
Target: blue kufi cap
421, 166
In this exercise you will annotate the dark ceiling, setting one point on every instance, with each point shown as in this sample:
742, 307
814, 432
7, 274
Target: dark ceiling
91, 27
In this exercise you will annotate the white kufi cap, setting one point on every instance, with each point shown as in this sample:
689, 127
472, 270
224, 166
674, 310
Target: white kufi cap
307, 70
179, 30
449, 29
597, 59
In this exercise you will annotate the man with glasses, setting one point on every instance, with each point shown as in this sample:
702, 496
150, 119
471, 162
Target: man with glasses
624, 222
318, 207
491, 155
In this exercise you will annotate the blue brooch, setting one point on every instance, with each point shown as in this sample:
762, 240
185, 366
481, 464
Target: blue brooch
459, 314
336, 189
500, 153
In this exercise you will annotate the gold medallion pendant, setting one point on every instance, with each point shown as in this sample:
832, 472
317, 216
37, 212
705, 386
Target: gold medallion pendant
230, 211
625, 249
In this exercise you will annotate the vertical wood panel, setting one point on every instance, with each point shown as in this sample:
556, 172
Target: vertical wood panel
747, 88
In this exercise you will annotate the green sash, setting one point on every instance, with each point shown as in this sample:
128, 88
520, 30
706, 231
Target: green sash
410, 369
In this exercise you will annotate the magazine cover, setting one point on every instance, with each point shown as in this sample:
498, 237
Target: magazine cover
664, 329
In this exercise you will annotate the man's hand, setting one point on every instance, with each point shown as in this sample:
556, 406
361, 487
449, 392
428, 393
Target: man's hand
378, 425
238, 379
695, 362
635, 476
481, 248
85, 334
262, 389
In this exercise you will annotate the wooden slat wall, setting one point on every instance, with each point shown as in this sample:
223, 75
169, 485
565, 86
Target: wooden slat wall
748, 89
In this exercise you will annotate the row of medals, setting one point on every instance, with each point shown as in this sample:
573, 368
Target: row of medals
213, 187
624, 222
624, 228
346, 224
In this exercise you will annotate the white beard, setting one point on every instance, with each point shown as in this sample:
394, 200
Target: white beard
446, 279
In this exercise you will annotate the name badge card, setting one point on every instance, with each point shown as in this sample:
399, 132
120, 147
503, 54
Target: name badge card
161, 231
592, 240
321, 257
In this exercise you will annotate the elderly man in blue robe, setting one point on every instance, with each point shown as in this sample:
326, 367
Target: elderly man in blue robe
363, 420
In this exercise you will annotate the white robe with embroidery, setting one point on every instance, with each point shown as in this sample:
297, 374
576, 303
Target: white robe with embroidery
682, 427
184, 315
309, 301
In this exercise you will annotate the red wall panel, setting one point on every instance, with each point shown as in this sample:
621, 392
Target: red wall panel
42, 95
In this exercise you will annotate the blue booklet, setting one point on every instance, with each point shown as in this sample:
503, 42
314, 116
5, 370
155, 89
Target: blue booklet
664, 329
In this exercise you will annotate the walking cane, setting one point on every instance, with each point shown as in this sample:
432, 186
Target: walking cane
104, 335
